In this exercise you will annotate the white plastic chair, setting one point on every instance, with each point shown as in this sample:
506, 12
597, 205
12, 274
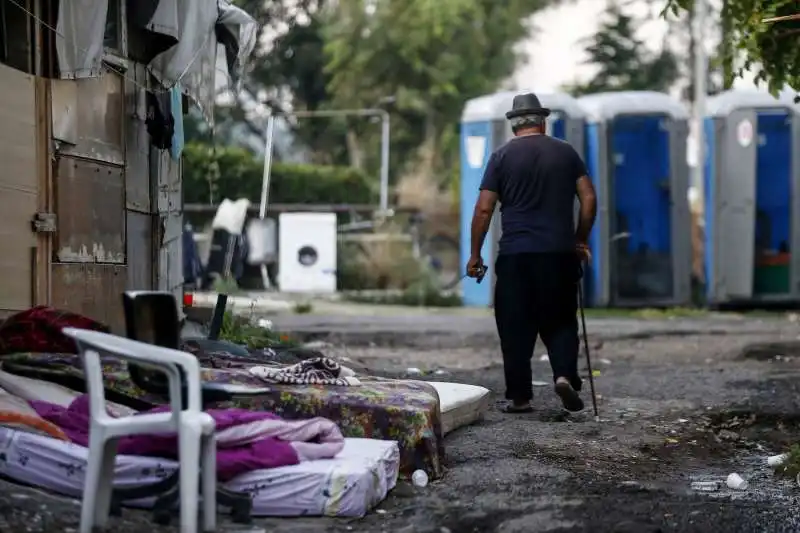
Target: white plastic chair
195, 428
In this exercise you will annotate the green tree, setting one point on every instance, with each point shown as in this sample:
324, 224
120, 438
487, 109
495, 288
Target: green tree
624, 62
770, 49
431, 55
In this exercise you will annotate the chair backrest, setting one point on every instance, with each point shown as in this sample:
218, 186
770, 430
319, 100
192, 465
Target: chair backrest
151, 317
178, 367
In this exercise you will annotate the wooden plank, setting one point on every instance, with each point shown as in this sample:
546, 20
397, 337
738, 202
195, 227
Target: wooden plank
90, 205
170, 263
140, 251
168, 190
137, 143
169, 204
44, 167
92, 290
88, 116
19, 187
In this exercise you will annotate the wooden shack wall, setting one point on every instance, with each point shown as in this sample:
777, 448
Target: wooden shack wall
79, 150
118, 199
19, 189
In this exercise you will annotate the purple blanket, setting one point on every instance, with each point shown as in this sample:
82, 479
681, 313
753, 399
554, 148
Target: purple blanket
246, 440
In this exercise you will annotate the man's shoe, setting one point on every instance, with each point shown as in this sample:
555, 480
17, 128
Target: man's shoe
569, 397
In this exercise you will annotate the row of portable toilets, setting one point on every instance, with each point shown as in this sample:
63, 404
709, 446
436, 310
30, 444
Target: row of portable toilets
634, 145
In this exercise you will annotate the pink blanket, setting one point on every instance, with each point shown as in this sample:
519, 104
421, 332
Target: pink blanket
246, 440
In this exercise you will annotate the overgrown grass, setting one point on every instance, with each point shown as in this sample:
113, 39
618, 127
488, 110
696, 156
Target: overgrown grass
303, 308
239, 330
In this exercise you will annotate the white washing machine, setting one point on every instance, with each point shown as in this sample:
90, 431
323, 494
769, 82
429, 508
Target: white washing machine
307, 252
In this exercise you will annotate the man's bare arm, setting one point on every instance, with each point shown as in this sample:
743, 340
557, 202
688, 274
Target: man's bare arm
481, 218
588, 211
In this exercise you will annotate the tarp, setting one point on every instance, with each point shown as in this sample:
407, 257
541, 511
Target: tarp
81, 28
237, 32
184, 35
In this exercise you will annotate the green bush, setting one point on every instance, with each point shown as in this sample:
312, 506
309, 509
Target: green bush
237, 173
239, 330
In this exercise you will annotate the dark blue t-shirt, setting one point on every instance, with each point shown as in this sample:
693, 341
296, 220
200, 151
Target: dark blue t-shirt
535, 177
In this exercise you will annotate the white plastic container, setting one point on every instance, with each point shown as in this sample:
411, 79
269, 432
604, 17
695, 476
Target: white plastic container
736, 482
777, 460
419, 478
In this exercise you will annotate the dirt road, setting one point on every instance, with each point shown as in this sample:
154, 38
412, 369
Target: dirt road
681, 400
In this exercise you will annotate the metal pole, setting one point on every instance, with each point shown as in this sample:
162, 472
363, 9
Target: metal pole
262, 208
700, 76
385, 140
385, 133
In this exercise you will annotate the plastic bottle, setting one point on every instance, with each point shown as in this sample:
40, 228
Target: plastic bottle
419, 478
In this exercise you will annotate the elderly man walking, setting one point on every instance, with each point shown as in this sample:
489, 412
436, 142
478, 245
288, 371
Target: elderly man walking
536, 178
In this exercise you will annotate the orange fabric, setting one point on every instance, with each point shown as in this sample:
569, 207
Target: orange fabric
21, 421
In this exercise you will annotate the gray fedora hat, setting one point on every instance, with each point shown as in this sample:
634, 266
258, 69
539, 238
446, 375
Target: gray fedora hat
527, 104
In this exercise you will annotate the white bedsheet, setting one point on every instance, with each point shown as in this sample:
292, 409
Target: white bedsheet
460, 404
349, 485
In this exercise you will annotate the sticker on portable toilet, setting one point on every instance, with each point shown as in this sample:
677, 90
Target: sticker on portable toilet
476, 151
744, 133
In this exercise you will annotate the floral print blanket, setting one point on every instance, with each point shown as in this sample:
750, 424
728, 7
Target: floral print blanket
386, 409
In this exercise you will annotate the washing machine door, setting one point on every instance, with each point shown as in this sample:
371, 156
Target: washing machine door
307, 252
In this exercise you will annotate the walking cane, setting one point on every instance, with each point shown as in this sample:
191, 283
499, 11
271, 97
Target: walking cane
586, 347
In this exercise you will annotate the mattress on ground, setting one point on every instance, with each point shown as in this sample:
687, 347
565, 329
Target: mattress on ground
388, 409
461, 404
349, 485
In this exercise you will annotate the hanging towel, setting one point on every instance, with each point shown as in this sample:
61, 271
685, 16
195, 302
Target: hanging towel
176, 101
314, 371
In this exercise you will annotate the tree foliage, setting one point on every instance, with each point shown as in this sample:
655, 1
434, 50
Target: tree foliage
623, 60
209, 175
431, 56
771, 50
427, 57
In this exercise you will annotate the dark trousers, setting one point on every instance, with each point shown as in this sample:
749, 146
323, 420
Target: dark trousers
536, 294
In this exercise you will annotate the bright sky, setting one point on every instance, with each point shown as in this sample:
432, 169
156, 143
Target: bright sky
555, 50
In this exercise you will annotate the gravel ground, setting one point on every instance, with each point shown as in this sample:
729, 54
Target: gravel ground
680, 400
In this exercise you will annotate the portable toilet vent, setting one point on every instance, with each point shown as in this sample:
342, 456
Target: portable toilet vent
484, 128
752, 175
641, 241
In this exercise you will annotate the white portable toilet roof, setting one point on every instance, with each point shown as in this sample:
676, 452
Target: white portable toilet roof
722, 104
494, 106
601, 107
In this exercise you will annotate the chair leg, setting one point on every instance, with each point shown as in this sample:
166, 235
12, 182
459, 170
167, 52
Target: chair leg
189, 454
209, 473
98, 484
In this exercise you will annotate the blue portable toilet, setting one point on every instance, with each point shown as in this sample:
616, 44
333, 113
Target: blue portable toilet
641, 241
484, 128
751, 186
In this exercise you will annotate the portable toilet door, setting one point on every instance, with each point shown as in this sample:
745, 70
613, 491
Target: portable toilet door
641, 241
484, 128
752, 179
